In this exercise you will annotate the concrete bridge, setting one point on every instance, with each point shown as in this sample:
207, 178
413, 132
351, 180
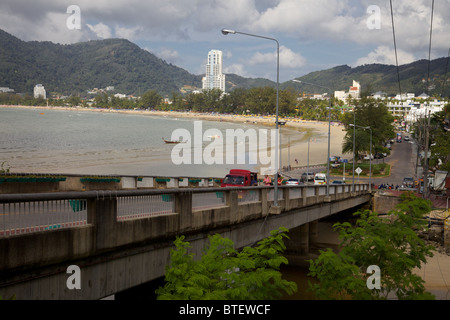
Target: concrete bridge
121, 239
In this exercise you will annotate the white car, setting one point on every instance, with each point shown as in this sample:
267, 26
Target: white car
293, 182
320, 178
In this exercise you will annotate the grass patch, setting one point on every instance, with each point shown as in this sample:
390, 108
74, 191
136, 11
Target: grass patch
378, 170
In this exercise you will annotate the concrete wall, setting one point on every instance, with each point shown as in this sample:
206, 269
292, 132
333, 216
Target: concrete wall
77, 183
384, 202
116, 255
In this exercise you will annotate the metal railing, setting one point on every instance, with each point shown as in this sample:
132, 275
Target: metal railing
145, 206
208, 200
33, 216
27, 213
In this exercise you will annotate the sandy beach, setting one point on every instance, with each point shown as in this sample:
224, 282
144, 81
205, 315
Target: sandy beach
297, 149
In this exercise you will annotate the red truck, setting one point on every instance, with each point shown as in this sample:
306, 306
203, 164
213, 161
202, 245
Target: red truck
240, 178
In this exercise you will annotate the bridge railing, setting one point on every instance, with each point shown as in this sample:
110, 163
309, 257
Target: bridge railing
44, 228
34, 216
28, 213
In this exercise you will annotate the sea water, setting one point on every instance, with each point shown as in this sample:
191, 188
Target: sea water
36, 140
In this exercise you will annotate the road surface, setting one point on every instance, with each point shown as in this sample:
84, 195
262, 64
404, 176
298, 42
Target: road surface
402, 160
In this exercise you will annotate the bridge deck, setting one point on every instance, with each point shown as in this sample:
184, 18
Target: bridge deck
45, 233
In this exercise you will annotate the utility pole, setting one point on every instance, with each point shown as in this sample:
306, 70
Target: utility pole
419, 145
425, 169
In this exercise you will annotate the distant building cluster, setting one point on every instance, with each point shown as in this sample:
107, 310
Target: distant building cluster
6, 90
214, 78
405, 105
354, 92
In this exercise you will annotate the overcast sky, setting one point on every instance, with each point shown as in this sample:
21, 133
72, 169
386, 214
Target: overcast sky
313, 34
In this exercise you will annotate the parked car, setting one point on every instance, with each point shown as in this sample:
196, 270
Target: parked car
408, 182
338, 182
335, 164
366, 157
293, 182
378, 156
307, 177
389, 146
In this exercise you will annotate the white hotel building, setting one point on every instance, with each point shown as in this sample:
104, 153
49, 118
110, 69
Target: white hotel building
214, 78
39, 91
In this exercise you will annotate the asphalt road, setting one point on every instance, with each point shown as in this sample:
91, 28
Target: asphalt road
402, 160
403, 163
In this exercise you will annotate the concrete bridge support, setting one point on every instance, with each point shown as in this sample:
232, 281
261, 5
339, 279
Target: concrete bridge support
300, 242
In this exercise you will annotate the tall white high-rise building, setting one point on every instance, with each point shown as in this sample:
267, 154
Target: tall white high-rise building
214, 78
39, 91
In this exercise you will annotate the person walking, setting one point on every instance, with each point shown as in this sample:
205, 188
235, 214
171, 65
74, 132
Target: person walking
267, 181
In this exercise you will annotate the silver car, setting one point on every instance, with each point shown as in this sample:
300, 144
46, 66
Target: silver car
293, 182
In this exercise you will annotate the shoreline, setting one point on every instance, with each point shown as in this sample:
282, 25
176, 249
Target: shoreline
298, 149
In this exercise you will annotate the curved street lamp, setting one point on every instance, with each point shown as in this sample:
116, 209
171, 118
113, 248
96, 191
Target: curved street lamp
229, 31
329, 131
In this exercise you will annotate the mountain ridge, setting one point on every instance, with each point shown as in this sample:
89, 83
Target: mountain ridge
76, 68
381, 77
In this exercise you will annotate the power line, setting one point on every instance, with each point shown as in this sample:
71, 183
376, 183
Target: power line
445, 74
429, 49
395, 48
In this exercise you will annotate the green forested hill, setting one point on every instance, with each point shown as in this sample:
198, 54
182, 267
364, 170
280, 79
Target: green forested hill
76, 68
379, 77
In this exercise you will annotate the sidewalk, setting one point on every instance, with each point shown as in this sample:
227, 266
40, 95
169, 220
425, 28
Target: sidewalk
436, 274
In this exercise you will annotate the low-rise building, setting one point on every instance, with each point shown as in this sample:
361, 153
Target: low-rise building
353, 92
6, 90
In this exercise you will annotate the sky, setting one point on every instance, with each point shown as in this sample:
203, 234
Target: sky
313, 34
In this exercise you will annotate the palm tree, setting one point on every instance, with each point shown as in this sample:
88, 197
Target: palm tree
362, 142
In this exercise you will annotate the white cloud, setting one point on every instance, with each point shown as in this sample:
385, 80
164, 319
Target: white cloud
169, 55
288, 58
386, 55
236, 68
101, 30
315, 26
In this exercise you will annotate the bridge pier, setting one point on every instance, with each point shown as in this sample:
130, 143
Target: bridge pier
300, 242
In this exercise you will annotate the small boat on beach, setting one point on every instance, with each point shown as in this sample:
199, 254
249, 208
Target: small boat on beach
172, 141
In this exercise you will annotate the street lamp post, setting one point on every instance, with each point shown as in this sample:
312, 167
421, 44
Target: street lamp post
370, 152
329, 131
354, 144
228, 31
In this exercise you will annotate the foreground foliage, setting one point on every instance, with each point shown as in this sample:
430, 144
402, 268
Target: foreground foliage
391, 243
224, 273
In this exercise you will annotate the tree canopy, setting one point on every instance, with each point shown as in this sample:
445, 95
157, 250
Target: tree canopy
367, 112
389, 243
223, 273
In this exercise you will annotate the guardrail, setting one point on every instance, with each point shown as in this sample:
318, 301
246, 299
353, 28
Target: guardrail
50, 228
28, 213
